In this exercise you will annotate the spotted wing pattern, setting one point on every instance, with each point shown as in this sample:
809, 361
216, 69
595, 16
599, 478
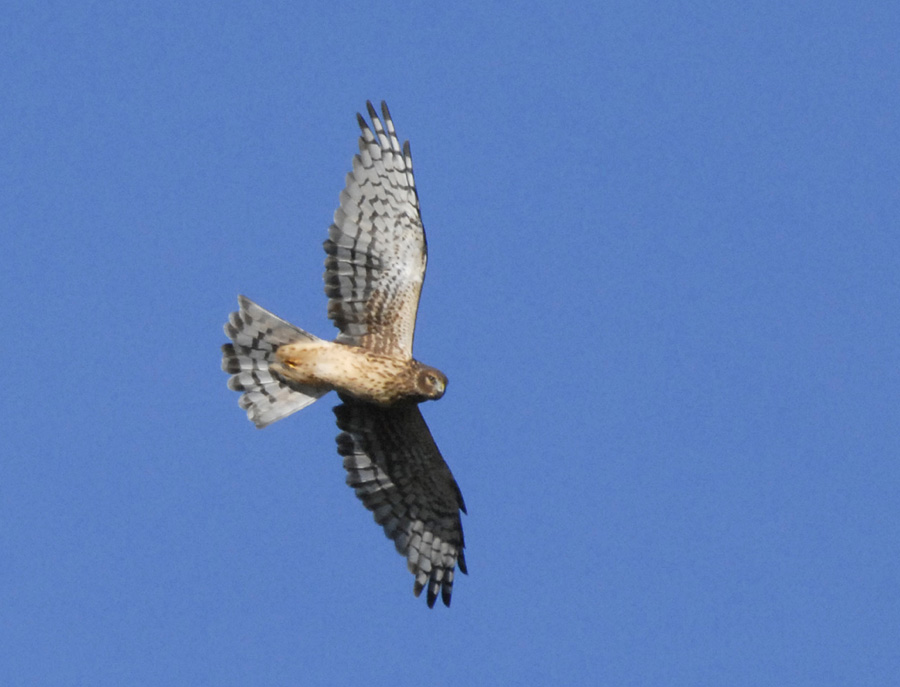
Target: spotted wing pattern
397, 471
376, 246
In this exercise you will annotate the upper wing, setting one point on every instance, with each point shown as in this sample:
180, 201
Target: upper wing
398, 473
376, 246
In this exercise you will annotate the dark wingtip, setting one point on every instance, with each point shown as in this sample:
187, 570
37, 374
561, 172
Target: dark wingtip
446, 591
373, 113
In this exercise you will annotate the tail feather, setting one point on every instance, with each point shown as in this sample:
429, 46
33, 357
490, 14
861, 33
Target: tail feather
256, 334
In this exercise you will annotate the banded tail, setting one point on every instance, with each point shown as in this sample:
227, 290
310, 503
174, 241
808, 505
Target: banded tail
256, 334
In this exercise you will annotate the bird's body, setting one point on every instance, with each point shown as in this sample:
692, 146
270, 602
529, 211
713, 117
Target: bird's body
358, 372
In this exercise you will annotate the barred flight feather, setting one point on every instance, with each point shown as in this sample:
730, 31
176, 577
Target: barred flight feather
256, 334
396, 470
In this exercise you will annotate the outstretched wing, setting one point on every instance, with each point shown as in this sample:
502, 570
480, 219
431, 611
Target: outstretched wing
376, 246
398, 473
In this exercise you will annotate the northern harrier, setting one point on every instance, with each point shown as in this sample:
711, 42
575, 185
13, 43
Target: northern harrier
374, 269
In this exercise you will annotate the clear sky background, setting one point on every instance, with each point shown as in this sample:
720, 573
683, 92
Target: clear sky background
664, 282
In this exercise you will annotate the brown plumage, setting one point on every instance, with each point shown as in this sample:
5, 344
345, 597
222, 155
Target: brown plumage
358, 372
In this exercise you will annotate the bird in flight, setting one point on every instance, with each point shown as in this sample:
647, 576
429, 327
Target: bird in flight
374, 268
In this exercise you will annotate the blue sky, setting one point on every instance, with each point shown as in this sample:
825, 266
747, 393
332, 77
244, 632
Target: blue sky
663, 282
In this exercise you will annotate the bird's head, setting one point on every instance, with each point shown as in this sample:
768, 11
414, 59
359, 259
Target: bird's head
430, 383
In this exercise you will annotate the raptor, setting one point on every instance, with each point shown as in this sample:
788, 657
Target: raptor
374, 269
